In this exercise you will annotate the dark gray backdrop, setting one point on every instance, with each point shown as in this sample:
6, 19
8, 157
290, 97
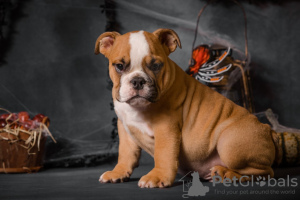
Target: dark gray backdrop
51, 67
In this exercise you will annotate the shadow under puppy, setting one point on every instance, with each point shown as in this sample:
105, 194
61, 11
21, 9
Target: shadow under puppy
183, 124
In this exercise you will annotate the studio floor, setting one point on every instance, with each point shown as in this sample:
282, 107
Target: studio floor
82, 183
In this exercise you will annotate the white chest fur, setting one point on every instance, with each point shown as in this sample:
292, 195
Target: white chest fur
132, 117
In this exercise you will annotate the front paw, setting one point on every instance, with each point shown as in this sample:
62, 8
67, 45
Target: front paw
156, 178
114, 177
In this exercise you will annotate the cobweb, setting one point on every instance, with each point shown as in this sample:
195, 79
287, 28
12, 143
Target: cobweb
271, 118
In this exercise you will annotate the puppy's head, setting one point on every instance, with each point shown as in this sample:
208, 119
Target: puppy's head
138, 63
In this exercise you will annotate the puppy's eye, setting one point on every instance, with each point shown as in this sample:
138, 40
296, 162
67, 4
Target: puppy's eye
119, 67
155, 67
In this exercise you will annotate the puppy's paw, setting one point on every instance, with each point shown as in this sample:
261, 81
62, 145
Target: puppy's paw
114, 177
220, 172
155, 178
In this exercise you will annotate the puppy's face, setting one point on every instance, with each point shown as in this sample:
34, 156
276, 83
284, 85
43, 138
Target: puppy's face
138, 63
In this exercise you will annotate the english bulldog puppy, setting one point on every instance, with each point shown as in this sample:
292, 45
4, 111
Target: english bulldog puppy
183, 124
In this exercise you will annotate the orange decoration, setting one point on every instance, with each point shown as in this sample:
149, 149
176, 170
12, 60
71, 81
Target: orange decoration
200, 55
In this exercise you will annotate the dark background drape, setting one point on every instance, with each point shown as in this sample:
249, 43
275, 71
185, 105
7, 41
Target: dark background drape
48, 64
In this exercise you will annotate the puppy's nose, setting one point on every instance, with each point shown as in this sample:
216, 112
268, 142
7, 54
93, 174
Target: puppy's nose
138, 83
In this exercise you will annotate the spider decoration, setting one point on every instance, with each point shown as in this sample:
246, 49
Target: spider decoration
207, 63
214, 66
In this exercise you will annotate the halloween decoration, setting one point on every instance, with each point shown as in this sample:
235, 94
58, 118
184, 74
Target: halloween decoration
22, 142
204, 61
215, 66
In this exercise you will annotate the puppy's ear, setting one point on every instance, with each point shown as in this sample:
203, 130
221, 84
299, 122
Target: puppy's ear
168, 38
104, 42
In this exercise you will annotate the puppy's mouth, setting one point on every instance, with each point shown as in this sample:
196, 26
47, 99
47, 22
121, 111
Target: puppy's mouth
138, 97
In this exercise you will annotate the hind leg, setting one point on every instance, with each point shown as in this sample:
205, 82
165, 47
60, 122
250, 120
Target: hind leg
246, 150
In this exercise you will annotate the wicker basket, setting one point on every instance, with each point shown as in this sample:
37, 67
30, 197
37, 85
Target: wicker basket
22, 151
15, 158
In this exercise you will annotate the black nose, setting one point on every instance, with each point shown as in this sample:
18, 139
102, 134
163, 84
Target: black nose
138, 83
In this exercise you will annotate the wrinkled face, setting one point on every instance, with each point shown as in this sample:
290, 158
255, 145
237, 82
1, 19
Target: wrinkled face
137, 67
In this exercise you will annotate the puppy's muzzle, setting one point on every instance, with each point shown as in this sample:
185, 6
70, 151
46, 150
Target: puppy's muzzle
138, 83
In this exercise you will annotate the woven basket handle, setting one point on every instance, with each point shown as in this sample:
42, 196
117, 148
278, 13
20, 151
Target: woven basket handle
245, 28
